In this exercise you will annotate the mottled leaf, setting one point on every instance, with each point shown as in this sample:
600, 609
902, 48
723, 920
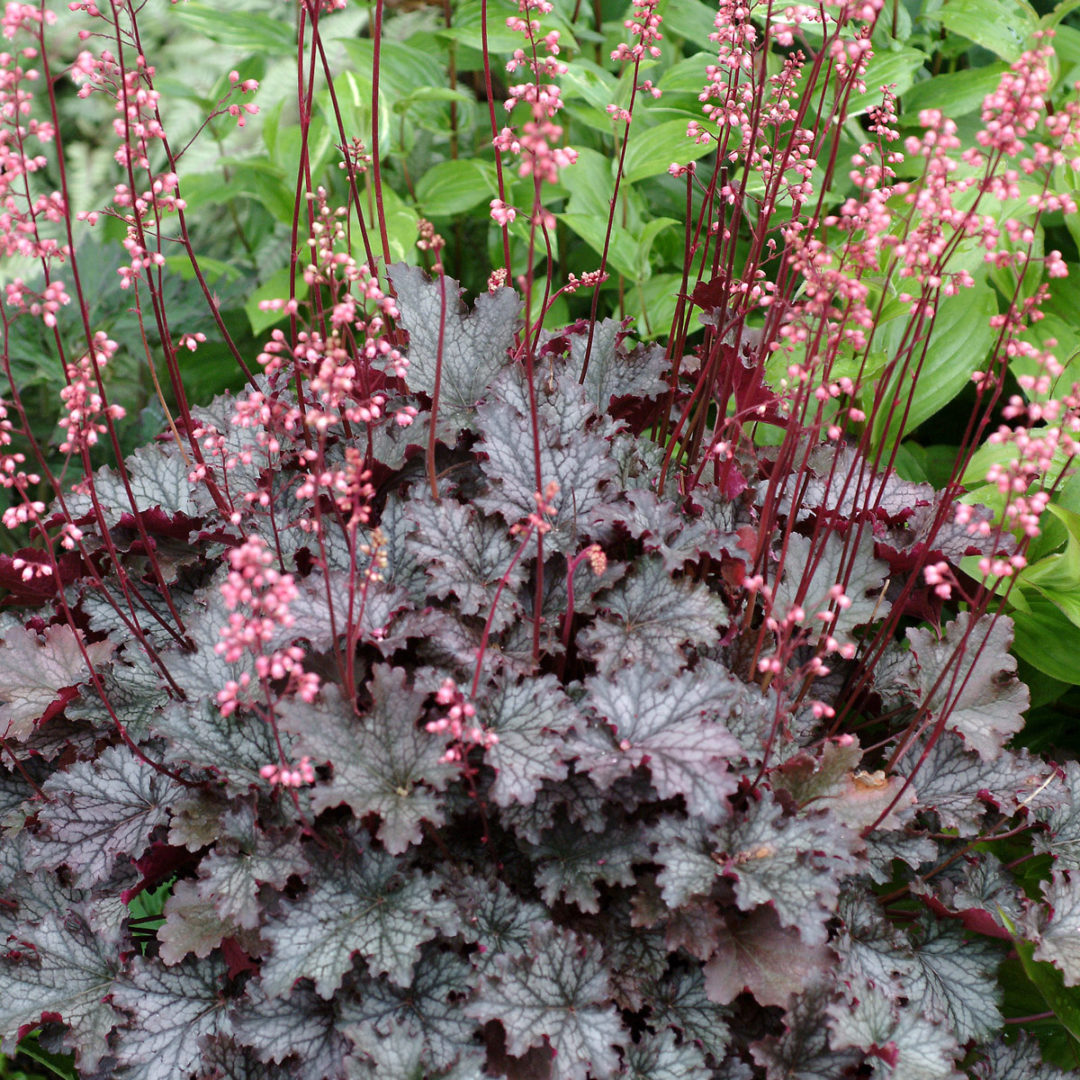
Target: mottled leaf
1058, 936
560, 994
100, 810
35, 670
968, 676
172, 1011
362, 904
531, 717
794, 863
69, 973
384, 762
302, 1024
648, 616
613, 370
675, 727
912, 1046
571, 861
467, 555
430, 1009
659, 1057
573, 454
812, 568
473, 345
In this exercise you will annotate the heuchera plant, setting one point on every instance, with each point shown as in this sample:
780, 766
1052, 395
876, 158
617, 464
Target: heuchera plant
482, 698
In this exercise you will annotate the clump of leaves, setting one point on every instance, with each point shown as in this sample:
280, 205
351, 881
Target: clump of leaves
498, 783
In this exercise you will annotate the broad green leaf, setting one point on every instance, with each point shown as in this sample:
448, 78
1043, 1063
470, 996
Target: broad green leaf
896, 69
690, 20
276, 287
1002, 26
956, 93
1046, 639
621, 253
212, 269
249, 30
590, 185
652, 150
960, 338
452, 187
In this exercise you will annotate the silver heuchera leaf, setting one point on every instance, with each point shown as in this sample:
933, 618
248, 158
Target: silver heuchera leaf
531, 718
70, 972
657, 1057
649, 617
803, 1051
1063, 821
493, 917
474, 345
301, 1025
614, 372
676, 727
960, 786
158, 477
679, 1002
560, 994
811, 569
574, 454
172, 1012
916, 1048
1018, 1060
571, 861
969, 676
361, 904
954, 979
384, 762
99, 810
36, 668
468, 555
429, 1009
794, 863
1057, 934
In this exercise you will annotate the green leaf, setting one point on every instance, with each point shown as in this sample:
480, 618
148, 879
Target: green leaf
652, 150
1046, 639
956, 93
452, 187
690, 20
961, 335
896, 69
248, 30
276, 287
621, 253
1002, 27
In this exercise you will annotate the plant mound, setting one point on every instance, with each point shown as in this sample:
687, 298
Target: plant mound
449, 777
